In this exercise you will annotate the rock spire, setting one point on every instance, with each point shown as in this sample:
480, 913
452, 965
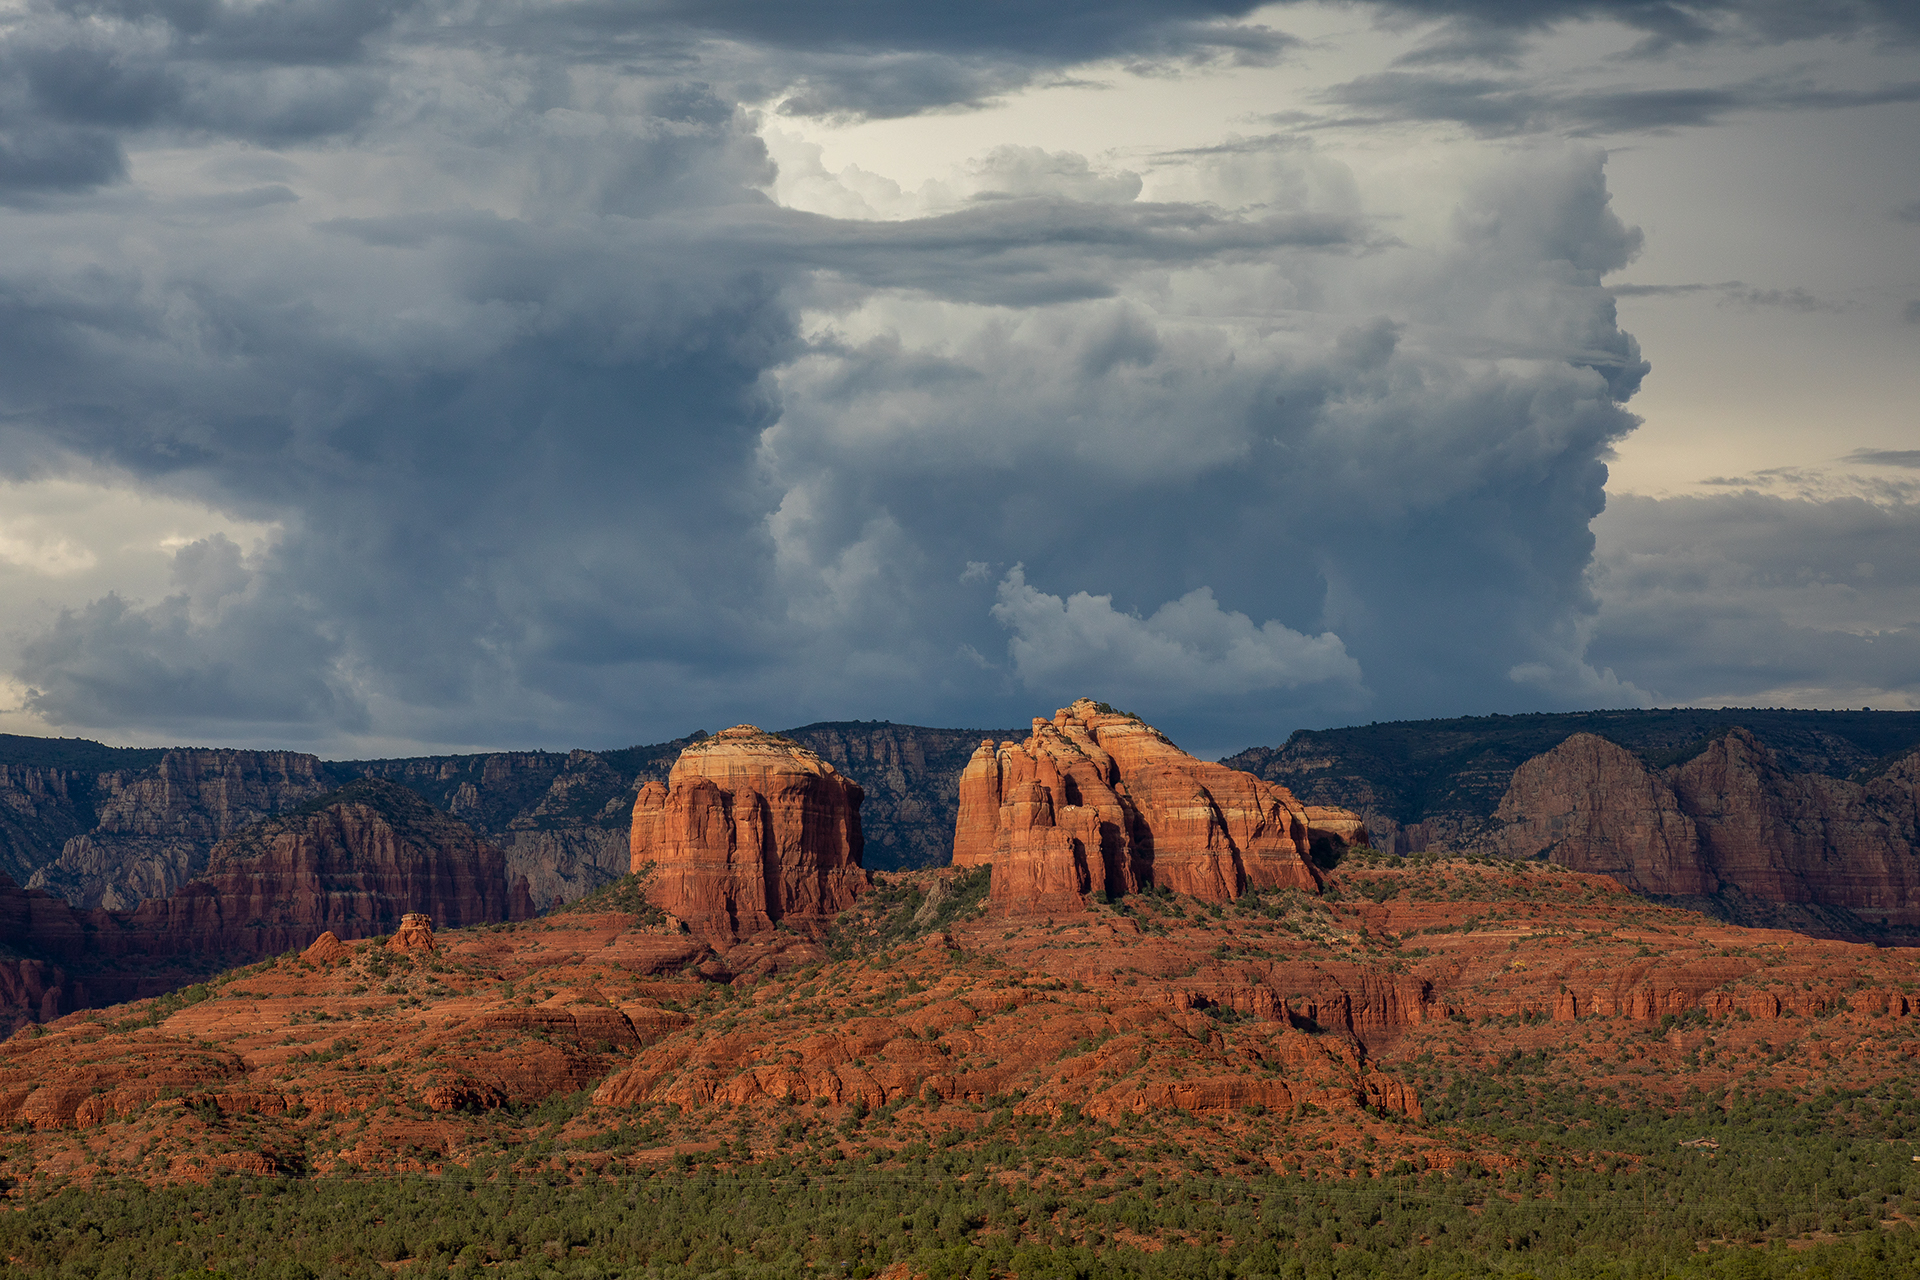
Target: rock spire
1097, 801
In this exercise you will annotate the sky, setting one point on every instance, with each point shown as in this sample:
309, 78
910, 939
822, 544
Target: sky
384, 377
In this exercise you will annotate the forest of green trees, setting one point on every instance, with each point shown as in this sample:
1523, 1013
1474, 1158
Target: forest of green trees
1822, 1187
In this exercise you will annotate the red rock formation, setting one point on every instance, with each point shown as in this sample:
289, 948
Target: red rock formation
156, 827
326, 949
1805, 838
415, 934
1592, 806
354, 866
1099, 802
751, 830
1730, 818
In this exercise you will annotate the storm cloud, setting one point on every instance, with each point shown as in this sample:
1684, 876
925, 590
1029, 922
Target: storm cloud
568, 430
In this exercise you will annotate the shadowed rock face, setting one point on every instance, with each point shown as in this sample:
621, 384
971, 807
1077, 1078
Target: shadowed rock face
1098, 802
1594, 807
750, 830
155, 828
353, 863
1729, 819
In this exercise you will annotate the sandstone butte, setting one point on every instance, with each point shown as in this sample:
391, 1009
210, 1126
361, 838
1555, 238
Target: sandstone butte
750, 830
1283, 1030
1730, 820
1098, 802
352, 864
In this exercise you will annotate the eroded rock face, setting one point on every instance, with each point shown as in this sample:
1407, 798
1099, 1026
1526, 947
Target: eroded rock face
749, 831
355, 866
156, 827
415, 933
326, 949
1729, 819
1095, 801
1592, 806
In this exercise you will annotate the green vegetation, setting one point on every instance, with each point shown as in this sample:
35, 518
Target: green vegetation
628, 894
895, 914
1822, 1188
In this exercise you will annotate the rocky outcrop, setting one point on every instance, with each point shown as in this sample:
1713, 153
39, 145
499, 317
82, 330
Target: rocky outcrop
1729, 820
326, 949
114, 826
354, 864
1433, 786
1098, 802
561, 818
1592, 806
155, 829
1805, 838
351, 865
749, 831
415, 934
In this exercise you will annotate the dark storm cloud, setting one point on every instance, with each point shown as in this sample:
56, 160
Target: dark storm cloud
1499, 107
585, 475
1731, 293
1740, 598
569, 434
1671, 23
116, 663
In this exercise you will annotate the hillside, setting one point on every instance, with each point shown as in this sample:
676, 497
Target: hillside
1447, 777
1508, 1047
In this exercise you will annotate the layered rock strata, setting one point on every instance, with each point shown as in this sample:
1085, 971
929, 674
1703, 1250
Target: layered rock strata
155, 829
1594, 807
1098, 802
355, 866
352, 866
749, 831
1731, 819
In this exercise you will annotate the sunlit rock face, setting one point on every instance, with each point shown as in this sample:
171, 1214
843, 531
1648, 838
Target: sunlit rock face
750, 830
1097, 801
1730, 820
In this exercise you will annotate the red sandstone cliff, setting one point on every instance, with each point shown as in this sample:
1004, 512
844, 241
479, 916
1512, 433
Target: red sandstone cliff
750, 830
155, 828
1592, 806
1094, 801
354, 867
1730, 818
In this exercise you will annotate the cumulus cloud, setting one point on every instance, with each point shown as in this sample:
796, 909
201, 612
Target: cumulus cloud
1186, 649
570, 432
214, 658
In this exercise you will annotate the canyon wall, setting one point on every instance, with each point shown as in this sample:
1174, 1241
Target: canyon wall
750, 830
352, 863
1729, 820
1433, 785
1097, 802
153, 830
112, 827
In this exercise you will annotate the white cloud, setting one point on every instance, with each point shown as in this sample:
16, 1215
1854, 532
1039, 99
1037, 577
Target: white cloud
1188, 650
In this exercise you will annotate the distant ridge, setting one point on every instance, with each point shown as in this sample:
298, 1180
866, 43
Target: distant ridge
1413, 771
